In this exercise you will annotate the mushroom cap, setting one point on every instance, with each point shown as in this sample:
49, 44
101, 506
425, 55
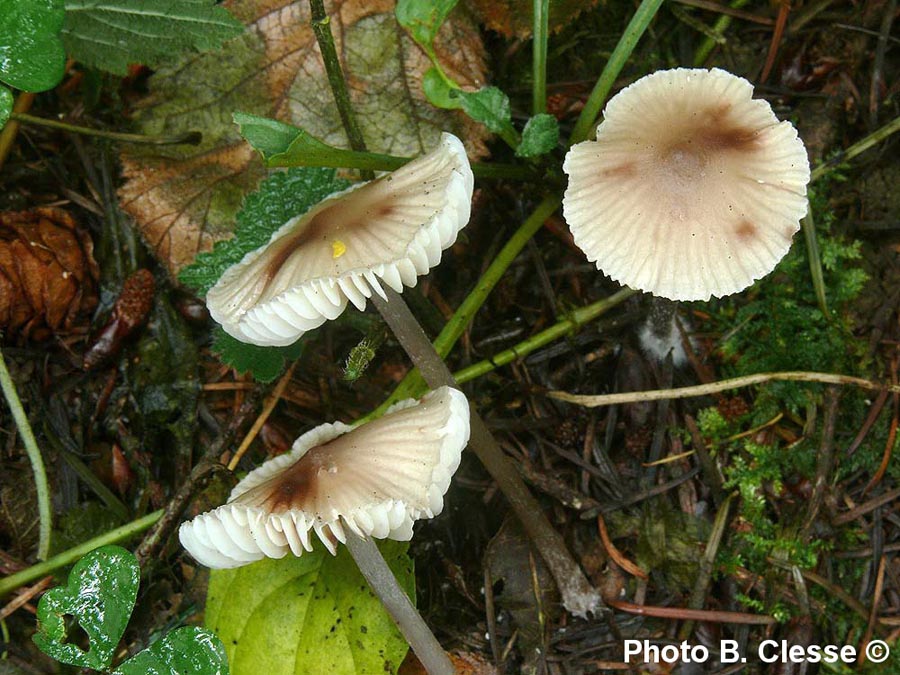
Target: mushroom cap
692, 188
377, 479
389, 230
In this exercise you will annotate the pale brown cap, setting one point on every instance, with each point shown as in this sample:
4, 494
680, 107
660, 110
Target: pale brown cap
376, 479
387, 231
692, 189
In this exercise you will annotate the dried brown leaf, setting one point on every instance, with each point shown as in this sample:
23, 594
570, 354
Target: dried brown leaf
185, 199
513, 18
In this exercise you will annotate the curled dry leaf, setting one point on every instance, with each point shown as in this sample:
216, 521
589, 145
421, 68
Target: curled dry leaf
48, 275
184, 198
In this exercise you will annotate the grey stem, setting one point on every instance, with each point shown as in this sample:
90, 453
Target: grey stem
383, 583
578, 596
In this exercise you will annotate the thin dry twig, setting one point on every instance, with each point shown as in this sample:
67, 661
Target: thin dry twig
597, 400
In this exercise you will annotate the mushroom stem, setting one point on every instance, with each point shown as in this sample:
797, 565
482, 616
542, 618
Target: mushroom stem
578, 596
383, 583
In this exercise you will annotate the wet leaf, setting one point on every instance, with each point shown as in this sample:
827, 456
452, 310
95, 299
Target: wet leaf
184, 651
423, 18
264, 363
490, 106
31, 54
100, 595
6, 105
540, 136
513, 18
116, 33
185, 198
307, 616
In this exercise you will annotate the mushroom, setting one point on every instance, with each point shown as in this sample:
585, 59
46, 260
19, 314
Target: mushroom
375, 480
692, 188
389, 230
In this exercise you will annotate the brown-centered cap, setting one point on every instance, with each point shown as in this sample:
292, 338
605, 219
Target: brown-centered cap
692, 189
389, 230
376, 479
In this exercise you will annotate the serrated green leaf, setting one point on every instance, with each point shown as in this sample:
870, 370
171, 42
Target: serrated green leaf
264, 363
31, 54
100, 595
6, 105
112, 34
490, 106
423, 18
184, 651
307, 616
279, 198
540, 136
439, 91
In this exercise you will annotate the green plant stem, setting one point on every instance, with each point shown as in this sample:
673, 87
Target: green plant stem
719, 28
567, 326
374, 161
807, 224
384, 584
857, 148
596, 401
321, 27
34, 456
578, 596
60, 560
464, 314
189, 138
633, 32
539, 57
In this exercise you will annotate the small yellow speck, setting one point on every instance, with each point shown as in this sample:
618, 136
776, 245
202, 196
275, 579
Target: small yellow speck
338, 248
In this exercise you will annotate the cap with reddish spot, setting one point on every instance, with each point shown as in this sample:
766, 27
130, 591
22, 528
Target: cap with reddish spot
389, 230
692, 188
376, 479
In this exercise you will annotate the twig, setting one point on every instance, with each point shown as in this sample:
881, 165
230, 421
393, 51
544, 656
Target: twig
60, 560
857, 148
707, 565
825, 459
25, 596
157, 536
595, 401
579, 597
34, 456
268, 407
188, 138
9, 132
713, 616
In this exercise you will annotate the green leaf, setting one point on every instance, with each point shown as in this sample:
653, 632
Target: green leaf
307, 616
31, 54
100, 595
184, 651
264, 363
6, 105
423, 18
439, 92
284, 145
490, 106
540, 136
115, 33
279, 198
